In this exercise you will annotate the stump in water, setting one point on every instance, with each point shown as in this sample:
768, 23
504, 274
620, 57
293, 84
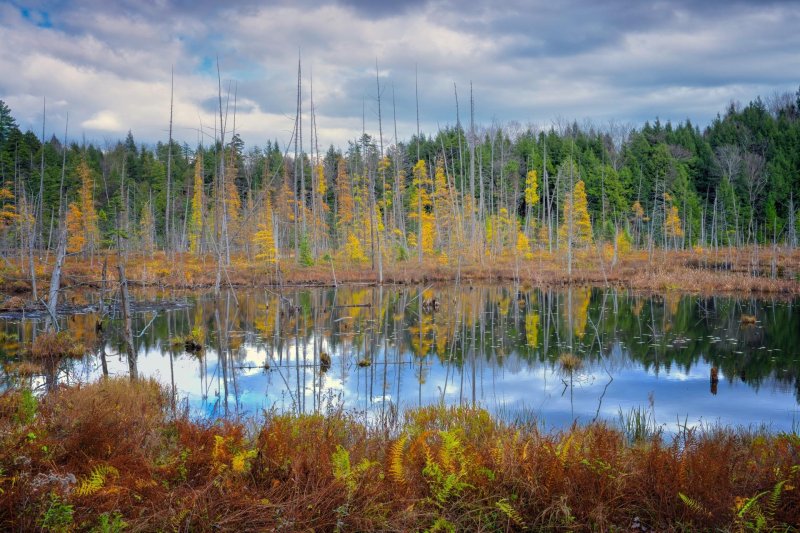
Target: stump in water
324, 362
714, 380
748, 320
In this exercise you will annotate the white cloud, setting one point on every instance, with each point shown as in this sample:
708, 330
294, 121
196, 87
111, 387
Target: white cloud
109, 65
103, 121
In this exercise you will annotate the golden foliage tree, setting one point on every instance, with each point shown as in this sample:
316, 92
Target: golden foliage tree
576, 218
523, 245
673, 225
421, 207
83, 233
442, 205
8, 211
531, 189
265, 236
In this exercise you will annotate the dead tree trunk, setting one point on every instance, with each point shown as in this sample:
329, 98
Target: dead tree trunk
127, 331
55, 278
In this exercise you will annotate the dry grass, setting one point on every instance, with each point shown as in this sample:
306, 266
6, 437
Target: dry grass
113, 449
569, 363
745, 270
51, 346
14, 303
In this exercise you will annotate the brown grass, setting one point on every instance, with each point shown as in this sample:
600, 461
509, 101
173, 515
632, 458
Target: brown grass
51, 345
114, 449
745, 270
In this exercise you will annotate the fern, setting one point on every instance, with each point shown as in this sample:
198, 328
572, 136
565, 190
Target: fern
396, 453
340, 460
110, 523
756, 517
440, 525
450, 450
693, 504
507, 509
562, 450
96, 480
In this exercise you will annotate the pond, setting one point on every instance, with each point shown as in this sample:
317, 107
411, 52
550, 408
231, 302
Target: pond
551, 355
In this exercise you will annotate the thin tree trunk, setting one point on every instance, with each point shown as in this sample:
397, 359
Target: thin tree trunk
167, 226
55, 277
127, 331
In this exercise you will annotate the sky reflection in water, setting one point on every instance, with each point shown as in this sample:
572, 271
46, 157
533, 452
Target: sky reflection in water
496, 347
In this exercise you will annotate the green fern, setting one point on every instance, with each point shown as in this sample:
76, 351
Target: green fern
96, 480
110, 523
507, 509
450, 450
442, 525
340, 460
693, 504
755, 517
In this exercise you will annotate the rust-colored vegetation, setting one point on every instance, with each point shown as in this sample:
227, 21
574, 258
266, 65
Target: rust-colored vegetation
115, 453
53, 346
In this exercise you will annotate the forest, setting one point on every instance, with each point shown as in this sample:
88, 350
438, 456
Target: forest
465, 195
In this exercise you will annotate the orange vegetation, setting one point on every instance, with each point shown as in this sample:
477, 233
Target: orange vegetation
115, 451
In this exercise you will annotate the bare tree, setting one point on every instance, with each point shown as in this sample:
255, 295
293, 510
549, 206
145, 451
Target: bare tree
754, 177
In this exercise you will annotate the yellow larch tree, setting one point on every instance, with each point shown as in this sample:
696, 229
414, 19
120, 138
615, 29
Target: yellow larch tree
531, 199
673, 227
83, 233
8, 211
531, 189
346, 215
264, 238
320, 226
581, 224
447, 230
420, 209
523, 247
501, 233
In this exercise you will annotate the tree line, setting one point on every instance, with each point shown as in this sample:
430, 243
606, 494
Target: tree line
462, 194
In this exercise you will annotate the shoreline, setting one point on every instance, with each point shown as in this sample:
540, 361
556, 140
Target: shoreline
727, 273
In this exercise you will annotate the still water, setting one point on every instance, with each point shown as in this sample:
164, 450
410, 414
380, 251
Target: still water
686, 359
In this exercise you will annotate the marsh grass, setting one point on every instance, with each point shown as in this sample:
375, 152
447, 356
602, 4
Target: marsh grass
81, 457
53, 346
721, 271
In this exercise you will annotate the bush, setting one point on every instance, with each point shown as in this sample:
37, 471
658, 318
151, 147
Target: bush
51, 345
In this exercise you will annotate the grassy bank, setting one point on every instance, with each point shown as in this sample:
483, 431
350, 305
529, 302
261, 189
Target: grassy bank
111, 456
748, 271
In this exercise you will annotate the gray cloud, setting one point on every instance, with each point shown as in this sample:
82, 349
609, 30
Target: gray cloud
109, 65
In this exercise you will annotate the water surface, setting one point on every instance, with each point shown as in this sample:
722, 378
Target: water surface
685, 359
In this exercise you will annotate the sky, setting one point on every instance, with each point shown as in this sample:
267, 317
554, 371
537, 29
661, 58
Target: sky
107, 65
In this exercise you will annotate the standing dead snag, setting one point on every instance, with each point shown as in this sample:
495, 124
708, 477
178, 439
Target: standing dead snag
55, 278
127, 332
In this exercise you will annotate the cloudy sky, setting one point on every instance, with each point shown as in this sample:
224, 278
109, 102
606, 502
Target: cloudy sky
107, 64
